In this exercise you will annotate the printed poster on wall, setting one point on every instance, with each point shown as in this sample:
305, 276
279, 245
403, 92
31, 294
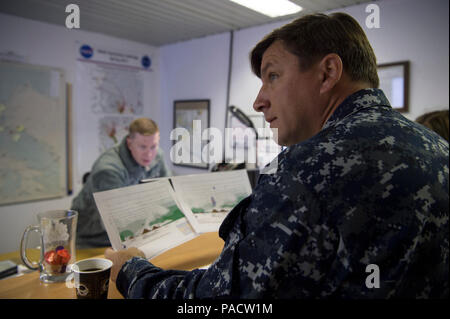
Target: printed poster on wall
109, 95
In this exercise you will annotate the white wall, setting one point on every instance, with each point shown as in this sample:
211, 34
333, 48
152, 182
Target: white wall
196, 69
51, 45
417, 31
412, 30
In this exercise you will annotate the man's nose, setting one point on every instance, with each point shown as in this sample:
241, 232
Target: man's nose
261, 101
149, 153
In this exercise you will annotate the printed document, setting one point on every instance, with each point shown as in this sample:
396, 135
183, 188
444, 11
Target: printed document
162, 213
210, 197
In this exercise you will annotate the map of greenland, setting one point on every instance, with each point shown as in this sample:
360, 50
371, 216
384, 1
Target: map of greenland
113, 89
32, 135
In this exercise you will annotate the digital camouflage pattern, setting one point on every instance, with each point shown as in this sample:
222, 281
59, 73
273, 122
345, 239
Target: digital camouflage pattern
370, 188
115, 168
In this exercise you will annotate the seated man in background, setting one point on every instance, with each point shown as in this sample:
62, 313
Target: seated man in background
137, 157
358, 206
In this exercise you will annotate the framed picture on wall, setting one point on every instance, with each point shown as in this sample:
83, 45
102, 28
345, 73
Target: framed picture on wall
394, 81
190, 119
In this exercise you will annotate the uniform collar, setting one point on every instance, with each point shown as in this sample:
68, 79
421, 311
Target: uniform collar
357, 101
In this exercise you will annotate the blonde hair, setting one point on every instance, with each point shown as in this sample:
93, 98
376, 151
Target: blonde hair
143, 126
436, 121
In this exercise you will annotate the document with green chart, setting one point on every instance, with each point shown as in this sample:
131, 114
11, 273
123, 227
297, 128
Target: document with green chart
162, 213
210, 197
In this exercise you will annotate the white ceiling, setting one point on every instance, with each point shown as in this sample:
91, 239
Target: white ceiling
158, 22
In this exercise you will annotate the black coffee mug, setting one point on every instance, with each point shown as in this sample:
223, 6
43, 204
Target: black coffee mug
92, 278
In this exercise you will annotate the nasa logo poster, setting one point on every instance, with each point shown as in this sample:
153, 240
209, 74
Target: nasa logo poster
86, 51
146, 61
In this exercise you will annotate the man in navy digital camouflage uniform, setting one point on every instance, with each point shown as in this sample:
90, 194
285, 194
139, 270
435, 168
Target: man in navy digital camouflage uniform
359, 187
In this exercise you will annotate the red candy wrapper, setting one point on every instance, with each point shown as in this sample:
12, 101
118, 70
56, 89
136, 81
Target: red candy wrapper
57, 259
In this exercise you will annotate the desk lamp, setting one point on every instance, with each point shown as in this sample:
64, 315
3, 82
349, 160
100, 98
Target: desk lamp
244, 119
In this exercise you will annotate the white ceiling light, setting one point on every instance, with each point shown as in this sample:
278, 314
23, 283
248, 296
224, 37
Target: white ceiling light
271, 8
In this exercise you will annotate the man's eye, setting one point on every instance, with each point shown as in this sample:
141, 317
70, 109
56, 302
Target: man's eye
273, 76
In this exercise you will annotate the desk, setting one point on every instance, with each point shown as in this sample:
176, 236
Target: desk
195, 253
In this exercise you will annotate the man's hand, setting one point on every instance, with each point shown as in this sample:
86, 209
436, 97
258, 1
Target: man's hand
120, 257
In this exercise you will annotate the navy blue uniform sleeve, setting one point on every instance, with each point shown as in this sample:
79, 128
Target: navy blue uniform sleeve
139, 278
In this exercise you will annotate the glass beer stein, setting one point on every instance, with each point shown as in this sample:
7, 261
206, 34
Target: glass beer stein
57, 230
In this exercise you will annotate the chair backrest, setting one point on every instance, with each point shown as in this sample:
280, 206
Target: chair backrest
85, 176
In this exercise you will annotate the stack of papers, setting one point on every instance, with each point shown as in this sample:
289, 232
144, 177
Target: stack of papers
166, 212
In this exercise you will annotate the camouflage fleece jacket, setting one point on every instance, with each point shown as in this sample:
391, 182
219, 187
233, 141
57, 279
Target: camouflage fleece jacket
115, 168
371, 188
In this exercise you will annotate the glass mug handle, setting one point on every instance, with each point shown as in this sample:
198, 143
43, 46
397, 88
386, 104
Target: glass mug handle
23, 247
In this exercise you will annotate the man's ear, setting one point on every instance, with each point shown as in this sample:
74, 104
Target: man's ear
128, 141
331, 68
